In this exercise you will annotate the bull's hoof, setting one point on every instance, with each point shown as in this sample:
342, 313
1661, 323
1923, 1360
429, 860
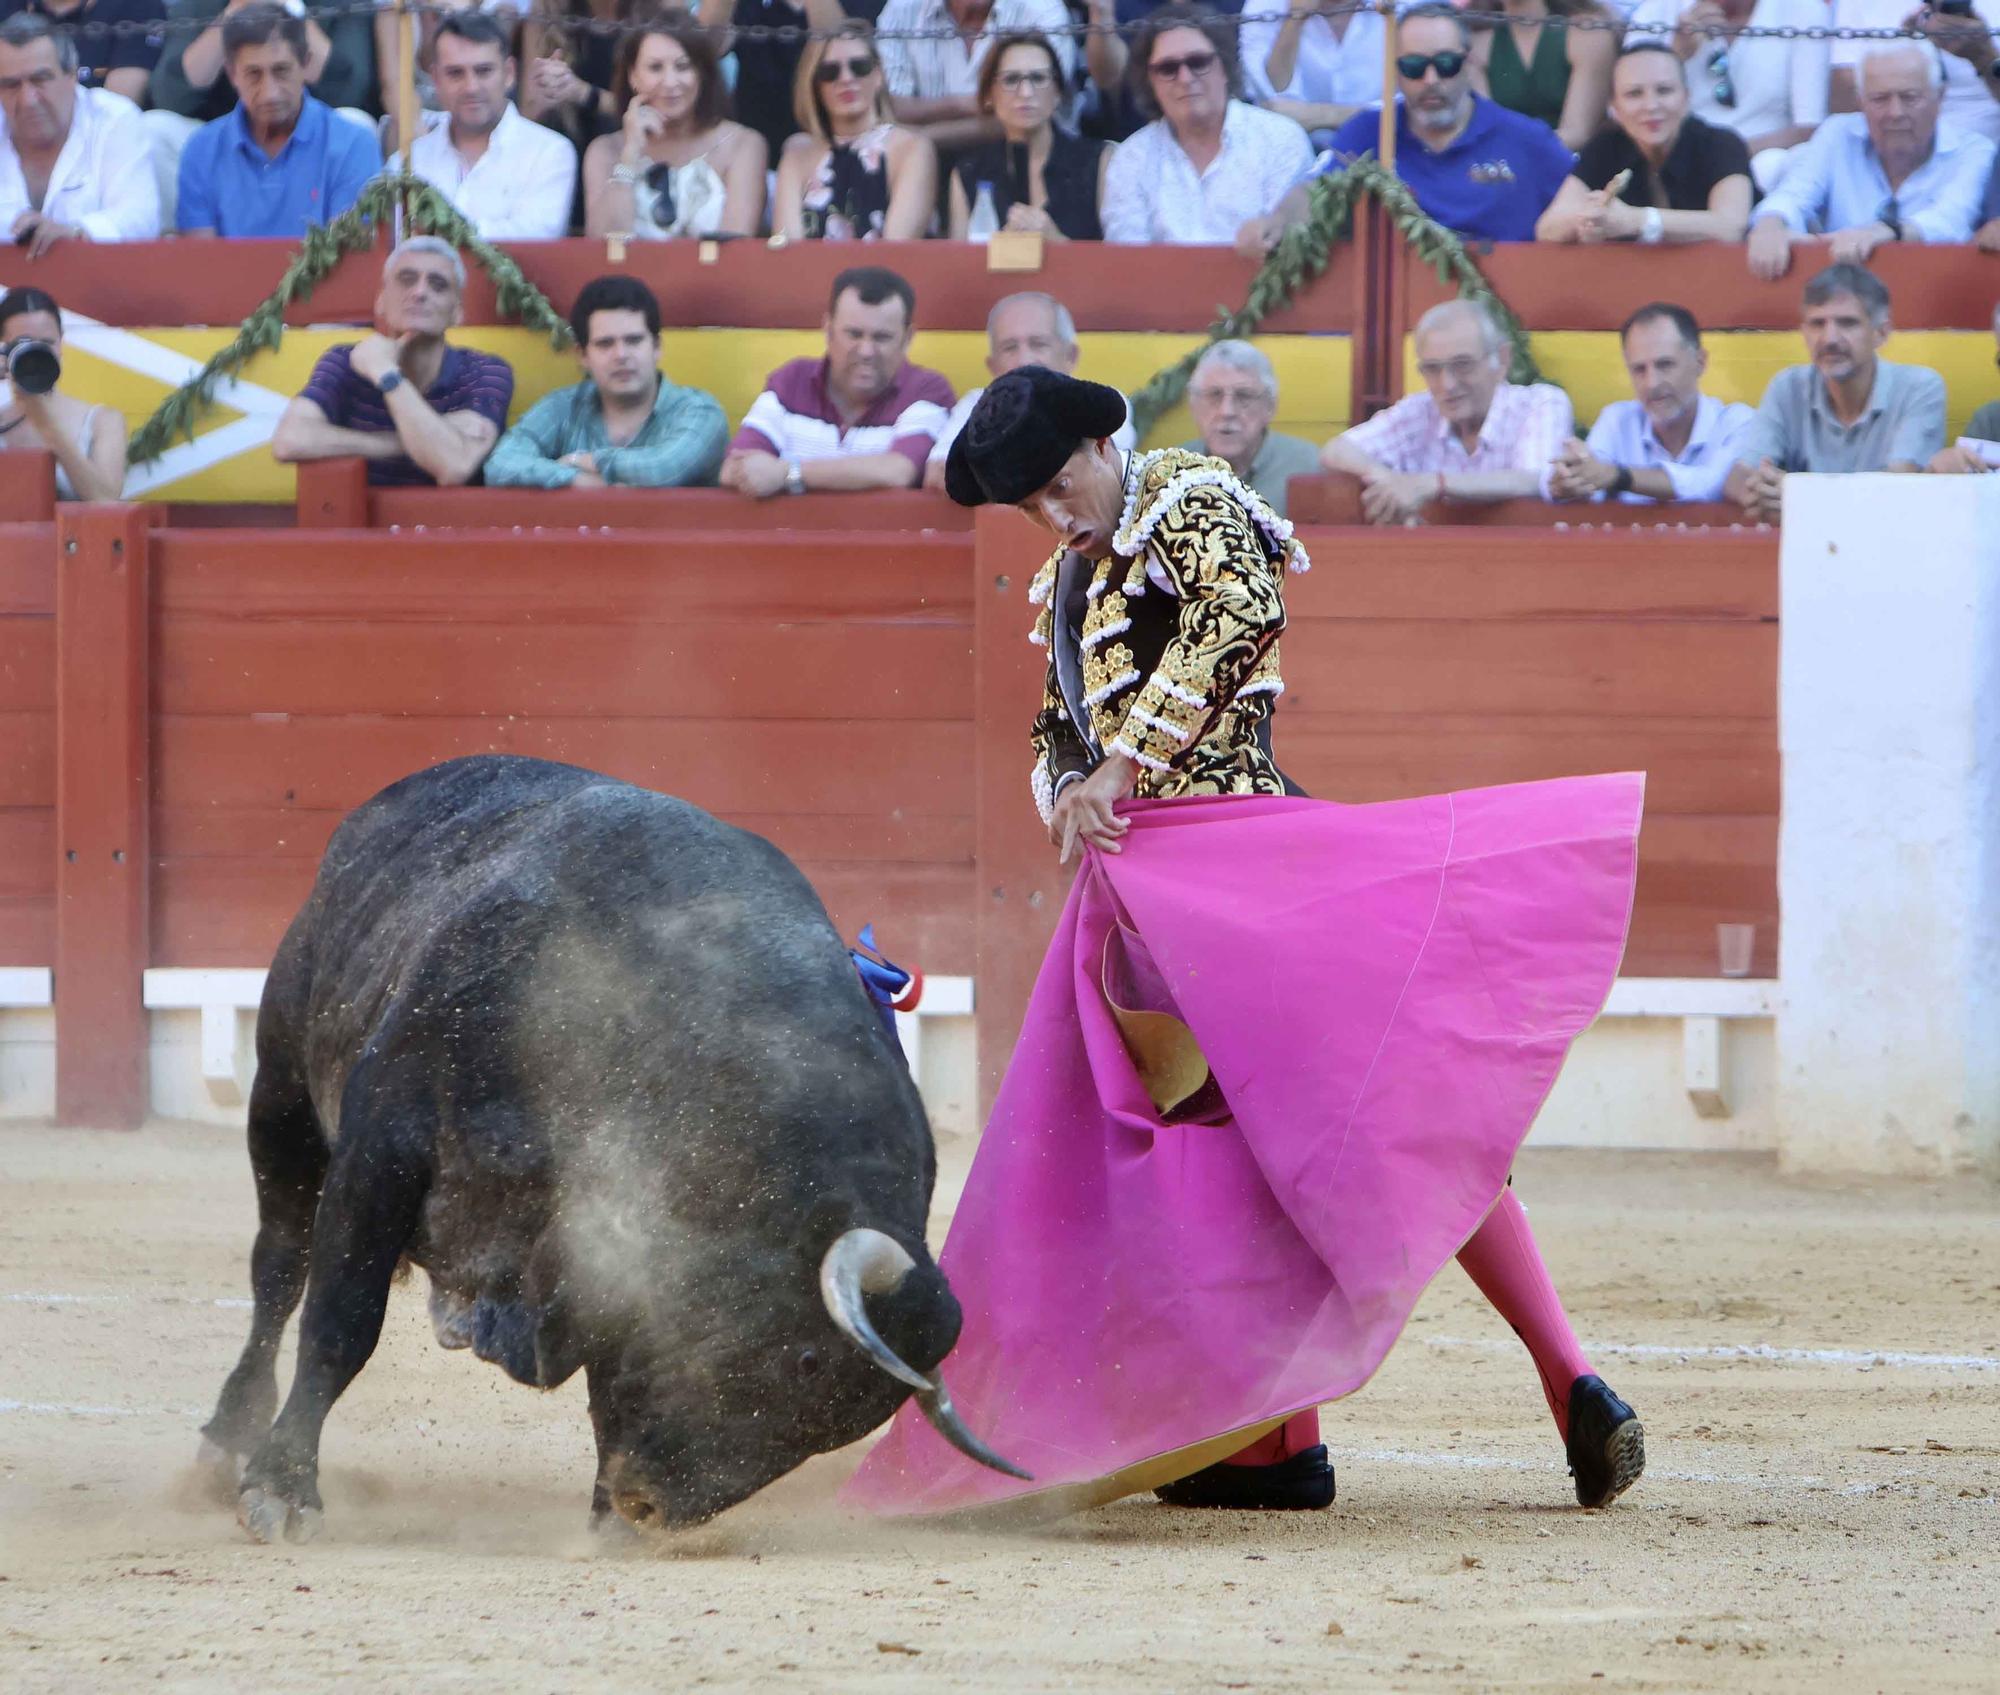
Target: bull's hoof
451, 1318
271, 1518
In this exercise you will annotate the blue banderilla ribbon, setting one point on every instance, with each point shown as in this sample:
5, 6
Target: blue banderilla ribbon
888, 985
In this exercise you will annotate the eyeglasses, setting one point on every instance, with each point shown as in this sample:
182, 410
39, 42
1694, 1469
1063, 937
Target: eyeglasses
1411, 66
832, 70
1025, 82
660, 182
1461, 369
1243, 399
1197, 66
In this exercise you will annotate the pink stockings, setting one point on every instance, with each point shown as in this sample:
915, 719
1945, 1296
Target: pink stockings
1507, 1266
1502, 1259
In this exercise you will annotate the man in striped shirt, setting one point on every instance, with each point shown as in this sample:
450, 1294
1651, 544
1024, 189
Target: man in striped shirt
862, 417
417, 409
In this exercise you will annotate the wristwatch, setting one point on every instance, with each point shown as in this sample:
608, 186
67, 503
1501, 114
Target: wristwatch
1652, 226
1622, 483
795, 477
389, 381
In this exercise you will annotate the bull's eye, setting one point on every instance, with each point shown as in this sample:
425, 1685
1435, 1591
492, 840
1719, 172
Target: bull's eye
808, 1361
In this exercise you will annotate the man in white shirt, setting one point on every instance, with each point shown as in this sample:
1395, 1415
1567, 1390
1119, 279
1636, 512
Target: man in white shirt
73, 160
514, 180
1965, 39
932, 50
1671, 442
1891, 173
1471, 436
1022, 329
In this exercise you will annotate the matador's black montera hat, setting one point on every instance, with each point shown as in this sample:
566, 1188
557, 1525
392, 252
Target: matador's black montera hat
1024, 428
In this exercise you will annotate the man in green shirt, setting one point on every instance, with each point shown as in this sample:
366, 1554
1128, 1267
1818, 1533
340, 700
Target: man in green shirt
624, 424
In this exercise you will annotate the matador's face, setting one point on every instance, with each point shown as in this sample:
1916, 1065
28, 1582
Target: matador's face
1080, 505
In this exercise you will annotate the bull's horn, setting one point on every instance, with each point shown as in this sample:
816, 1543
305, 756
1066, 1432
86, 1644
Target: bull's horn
936, 1403
865, 1262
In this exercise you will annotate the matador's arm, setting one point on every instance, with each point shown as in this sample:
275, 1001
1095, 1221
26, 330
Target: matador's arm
1232, 607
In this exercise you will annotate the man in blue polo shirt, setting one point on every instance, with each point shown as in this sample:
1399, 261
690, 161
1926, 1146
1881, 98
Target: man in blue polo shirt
1475, 167
281, 160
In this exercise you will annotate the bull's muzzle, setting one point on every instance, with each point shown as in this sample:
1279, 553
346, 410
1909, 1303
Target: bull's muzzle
864, 1262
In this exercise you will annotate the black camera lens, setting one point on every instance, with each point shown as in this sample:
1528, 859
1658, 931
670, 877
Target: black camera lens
33, 365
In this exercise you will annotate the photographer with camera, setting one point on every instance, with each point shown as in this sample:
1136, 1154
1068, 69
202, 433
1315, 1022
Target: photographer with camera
88, 441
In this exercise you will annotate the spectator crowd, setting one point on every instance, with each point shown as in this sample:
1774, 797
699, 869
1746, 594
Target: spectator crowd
1562, 121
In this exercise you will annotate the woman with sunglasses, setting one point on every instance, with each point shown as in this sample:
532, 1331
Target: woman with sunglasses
1209, 168
1042, 178
855, 175
678, 166
1658, 173
37, 417
1550, 59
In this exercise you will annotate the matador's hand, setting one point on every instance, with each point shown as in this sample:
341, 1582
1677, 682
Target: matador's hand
1083, 811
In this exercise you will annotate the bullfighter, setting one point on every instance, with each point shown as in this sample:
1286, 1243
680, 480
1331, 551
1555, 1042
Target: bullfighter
1281, 1052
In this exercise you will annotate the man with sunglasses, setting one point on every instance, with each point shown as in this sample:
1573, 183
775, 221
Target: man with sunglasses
514, 180
1474, 166
932, 51
1892, 172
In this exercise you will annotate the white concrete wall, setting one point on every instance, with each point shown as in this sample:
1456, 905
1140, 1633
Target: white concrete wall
1889, 857
1625, 1085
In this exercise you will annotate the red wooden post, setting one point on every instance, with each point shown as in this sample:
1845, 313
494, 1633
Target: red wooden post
27, 488
1020, 887
103, 799
333, 494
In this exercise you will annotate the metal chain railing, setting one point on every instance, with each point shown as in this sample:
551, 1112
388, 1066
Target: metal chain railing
1076, 30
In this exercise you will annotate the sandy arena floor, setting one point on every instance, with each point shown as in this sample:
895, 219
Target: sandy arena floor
1818, 1368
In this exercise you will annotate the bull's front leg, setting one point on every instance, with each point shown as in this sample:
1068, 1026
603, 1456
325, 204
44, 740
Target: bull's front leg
367, 1214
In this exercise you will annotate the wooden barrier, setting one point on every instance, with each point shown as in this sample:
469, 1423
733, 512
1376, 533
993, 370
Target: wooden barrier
27, 743
1334, 498
860, 697
814, 688
334, 495
103, 792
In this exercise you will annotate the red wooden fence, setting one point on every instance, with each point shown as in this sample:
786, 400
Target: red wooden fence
194, 711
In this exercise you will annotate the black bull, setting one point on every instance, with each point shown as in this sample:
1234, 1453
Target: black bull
602, 1067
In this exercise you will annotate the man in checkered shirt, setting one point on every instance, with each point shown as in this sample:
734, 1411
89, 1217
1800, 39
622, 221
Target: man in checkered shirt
1471, 436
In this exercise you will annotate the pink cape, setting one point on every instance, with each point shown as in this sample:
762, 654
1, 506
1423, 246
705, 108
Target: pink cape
1384, 994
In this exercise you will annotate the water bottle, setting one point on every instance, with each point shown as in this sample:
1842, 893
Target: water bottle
984, 219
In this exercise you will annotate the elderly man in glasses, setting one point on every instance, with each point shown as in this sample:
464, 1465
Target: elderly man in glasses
1474, 166
1233, 395
1470, 436
1891, 172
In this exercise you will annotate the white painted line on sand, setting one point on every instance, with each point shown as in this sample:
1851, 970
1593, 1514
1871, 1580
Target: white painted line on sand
1862, 1359
80, 1409
32, 1299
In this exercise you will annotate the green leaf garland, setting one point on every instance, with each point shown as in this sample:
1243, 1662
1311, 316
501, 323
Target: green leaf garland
425, 212
1302, 257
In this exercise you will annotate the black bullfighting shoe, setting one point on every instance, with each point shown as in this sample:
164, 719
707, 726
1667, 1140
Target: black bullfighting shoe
1302, 1483
1607, 1443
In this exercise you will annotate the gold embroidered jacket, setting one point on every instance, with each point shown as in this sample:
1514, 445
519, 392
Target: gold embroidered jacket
1167, 651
